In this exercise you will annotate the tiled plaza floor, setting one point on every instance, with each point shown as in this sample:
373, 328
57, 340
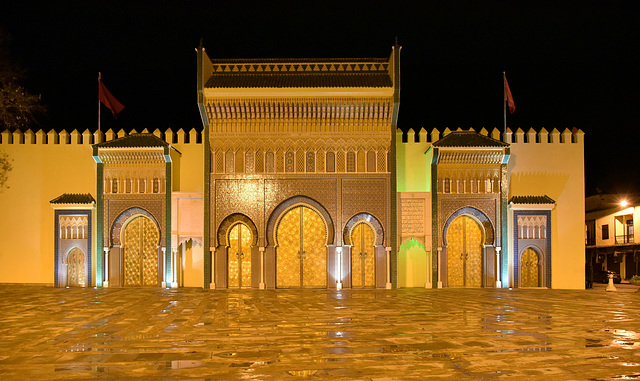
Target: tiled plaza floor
407, 334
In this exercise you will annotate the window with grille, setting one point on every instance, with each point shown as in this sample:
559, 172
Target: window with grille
340, 161
382, 159
371, 161
331, 162
270, 162
239, 167
229, 162
289, 163
280, 161
360, 162
300, 160
259, 161
248, 162
320, 163
351, 161
219, 166
311, 161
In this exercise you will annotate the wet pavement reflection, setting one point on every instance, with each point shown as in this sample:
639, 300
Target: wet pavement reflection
402, 334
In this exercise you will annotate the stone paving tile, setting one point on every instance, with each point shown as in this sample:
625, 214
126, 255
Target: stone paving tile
407, 334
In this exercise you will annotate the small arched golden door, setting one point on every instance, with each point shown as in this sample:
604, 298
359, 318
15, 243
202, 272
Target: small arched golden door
76, 273
301, 254
239, 256
530, 268
464, 253
363, 261
140, 244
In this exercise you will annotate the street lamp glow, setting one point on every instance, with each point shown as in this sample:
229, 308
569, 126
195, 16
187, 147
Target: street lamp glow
624, 203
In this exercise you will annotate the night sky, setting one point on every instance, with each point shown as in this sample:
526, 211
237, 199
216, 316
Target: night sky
569, 64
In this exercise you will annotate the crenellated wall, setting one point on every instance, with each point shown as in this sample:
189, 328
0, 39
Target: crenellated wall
48, 164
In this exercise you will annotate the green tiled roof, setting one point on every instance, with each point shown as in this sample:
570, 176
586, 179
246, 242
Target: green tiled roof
74, 198
301, 79
531, 200
133, 141
468, 139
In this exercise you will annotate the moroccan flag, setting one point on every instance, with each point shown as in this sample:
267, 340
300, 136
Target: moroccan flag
108, 99
509, 97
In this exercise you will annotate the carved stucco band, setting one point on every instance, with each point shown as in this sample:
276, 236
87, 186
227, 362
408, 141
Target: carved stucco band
479, 216
368, 218
118, 224
279, 211
229, 221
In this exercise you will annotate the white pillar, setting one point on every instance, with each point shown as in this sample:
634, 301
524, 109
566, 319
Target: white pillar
212, 285
439, 267
164, 266
428, 284
498, 281
388, 250
338, 268
105, 282
261, 249
610, 286
174, 267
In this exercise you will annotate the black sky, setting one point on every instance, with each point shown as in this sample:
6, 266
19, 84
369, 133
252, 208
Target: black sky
569, 63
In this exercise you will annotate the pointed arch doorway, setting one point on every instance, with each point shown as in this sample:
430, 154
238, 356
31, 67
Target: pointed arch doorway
301, 253
464, 252
140, 239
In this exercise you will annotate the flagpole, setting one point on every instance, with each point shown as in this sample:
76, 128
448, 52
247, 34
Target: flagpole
504, 100
99, 77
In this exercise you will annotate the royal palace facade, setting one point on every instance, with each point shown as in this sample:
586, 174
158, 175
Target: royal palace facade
299, 178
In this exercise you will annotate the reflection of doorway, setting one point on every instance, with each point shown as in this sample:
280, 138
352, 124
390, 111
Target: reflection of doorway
239, 256
301, 253
140, 240
363, 267
464, 253
75, 268
530, 268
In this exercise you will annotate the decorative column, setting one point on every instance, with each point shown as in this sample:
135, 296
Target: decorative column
498, 281
164, 261
174, 267
388, 250
339, 268
439, 267
105, 282
428, 284
261, 285
212, 285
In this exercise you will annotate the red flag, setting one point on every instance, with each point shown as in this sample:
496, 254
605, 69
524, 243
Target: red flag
109, 100
512, 105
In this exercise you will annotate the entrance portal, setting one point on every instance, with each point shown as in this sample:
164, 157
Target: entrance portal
529, 268
140, 245
464, 253
75, 268
301, 253
240, 256
363, 267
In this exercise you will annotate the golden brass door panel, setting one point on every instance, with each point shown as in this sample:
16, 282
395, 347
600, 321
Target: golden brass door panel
75, 268
301, 251
529, 268
240, 256
464, 253
140, 253
363, 270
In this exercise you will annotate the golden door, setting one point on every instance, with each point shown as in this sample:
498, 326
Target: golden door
301, 253
464, 253
529, 269
363, 261
75, 268
240, 256
141, 253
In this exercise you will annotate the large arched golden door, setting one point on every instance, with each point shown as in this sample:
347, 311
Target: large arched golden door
140, 243
529, 268
363, 261
75, 268
301, 251
240, 256
464, 253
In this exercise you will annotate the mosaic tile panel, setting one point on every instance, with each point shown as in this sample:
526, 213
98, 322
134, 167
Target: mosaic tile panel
366, 195
449, 204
